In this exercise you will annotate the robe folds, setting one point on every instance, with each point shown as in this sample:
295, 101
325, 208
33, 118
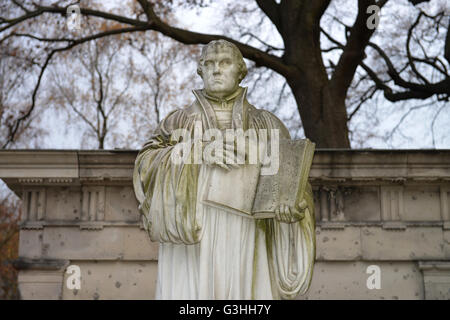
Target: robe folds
205, 252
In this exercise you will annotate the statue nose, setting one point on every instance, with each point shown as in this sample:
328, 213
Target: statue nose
216, 68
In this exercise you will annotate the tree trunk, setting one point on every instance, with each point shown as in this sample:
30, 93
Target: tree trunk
320, 103
323, 114
101, 142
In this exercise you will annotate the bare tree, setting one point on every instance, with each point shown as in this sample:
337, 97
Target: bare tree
15, 70
9, 236
165, 69
93, 86
320, 88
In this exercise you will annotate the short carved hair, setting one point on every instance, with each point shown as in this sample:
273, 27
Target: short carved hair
224, 44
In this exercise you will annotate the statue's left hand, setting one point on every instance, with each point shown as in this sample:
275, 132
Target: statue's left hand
288, 214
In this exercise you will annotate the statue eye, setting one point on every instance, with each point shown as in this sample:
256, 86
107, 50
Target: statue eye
225, 62
208, 63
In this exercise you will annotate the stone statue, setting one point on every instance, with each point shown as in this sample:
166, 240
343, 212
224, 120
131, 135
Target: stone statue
209, 252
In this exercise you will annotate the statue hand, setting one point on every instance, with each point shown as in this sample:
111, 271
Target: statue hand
233, 155
287, 214
225, 158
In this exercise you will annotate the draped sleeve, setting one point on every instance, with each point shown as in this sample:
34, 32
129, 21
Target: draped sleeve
167, 191
290, 246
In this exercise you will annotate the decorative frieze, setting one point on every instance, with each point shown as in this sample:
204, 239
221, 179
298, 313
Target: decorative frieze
33, 205
445, 208
31, 180
392, 207
93, 207
331, 203
60, 180
391, 203
436, 278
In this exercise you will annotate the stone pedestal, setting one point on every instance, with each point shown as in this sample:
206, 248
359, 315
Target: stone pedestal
436, 278
388, 209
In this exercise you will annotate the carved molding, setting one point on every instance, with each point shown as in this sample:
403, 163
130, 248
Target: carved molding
392, 205
33, 205
32, 225
331, 203
60, 180
93, 203
444, 198
92, 225
31, 180
40, 264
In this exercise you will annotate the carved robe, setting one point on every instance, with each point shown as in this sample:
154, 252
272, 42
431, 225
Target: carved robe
205, 252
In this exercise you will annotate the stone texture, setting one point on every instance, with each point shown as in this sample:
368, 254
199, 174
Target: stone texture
103, 280
30, 243
422, 203
40, 284
418, 243
362, 204
116, 243
411, 248
121, 204
63, 203
338, 244
436, 279
347, 280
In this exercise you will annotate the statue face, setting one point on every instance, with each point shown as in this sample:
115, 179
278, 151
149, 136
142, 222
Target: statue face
220, 72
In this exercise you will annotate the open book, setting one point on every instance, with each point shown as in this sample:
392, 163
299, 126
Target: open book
246, 192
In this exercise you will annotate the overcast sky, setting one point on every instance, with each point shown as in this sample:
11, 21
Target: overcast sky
415, 131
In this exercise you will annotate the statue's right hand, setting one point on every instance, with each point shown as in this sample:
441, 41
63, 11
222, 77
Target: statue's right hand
287, 214
223, 157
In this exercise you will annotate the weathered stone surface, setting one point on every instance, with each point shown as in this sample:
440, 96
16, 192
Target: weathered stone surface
116, 243
113, 280
111, 235
25, 164
40, 284
436, 279
338, 244
348, 280
416, 243
30, 243
389, 164
63, 203
362, 204
422, 203
121, 204
446, 244
112, 165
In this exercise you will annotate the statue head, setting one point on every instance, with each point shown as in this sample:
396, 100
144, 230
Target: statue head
221, 67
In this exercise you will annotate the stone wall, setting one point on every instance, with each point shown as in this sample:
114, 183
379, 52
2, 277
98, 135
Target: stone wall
373, 207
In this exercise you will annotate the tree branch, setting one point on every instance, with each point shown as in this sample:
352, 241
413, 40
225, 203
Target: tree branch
261, 58
418, 92
154, 23
422, 90
269, 47
271, 10
14, 127
372, 91
408, 50
447, 43
353, 52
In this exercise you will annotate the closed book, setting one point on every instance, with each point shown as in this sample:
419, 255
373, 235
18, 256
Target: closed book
248, 192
